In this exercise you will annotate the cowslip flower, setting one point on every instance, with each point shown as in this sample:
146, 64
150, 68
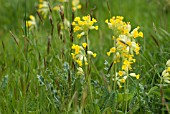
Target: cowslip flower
80, 71
76, 5
58, 8
124, 47
79, 55
168, 63
31, 23
135, 75
84, 25
166, 73
43, 8
120, 79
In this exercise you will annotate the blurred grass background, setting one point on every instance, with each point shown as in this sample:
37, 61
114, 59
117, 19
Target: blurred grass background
143, 13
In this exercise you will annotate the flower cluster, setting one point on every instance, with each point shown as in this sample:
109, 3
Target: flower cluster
58, 7
63, 0
124, 47
31, 23
84, 25
76, 5
43, 8
79, 55
166, 73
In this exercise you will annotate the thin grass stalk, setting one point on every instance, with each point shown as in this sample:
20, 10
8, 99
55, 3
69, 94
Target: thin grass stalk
126, 93
115, 70
88, 67
108, 6
25, 102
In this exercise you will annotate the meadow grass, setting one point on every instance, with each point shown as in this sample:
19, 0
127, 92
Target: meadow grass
38, 74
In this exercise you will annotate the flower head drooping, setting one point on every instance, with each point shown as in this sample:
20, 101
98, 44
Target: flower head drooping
79, 54
125, 46
43, 8
31, 23
166, 73
58, 8
76, 5
63, 0
84, 25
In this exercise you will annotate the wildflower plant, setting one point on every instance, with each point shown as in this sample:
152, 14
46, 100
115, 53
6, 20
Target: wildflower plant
124, 48
31, 23
43, 8
82, 52
83, 26
76, 5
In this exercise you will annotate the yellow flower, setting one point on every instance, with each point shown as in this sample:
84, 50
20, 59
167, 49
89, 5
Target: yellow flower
122, 80
129, 43
32, 17
84, 45
77, 19
94, 55
76, 28
73, 23
79, 7
135, 34
28, 24
141, 34
86, 63
84, 25
31, 23
134, 75
85, 18
76, 48
106, 21
73, 55
120, 73
75, 5
96, 27
43, 8
79, 63
137, 76
108, 53
113, 37
94, 20
79, 35
113, 49
91, 53
124, 67
168, 69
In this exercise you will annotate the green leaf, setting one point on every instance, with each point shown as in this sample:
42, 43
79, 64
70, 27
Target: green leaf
152, 90
124, 97
134, 109
4, 82
109, 101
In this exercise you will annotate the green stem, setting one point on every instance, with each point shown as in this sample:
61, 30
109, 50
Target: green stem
126, 94
115, 68
88, 67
